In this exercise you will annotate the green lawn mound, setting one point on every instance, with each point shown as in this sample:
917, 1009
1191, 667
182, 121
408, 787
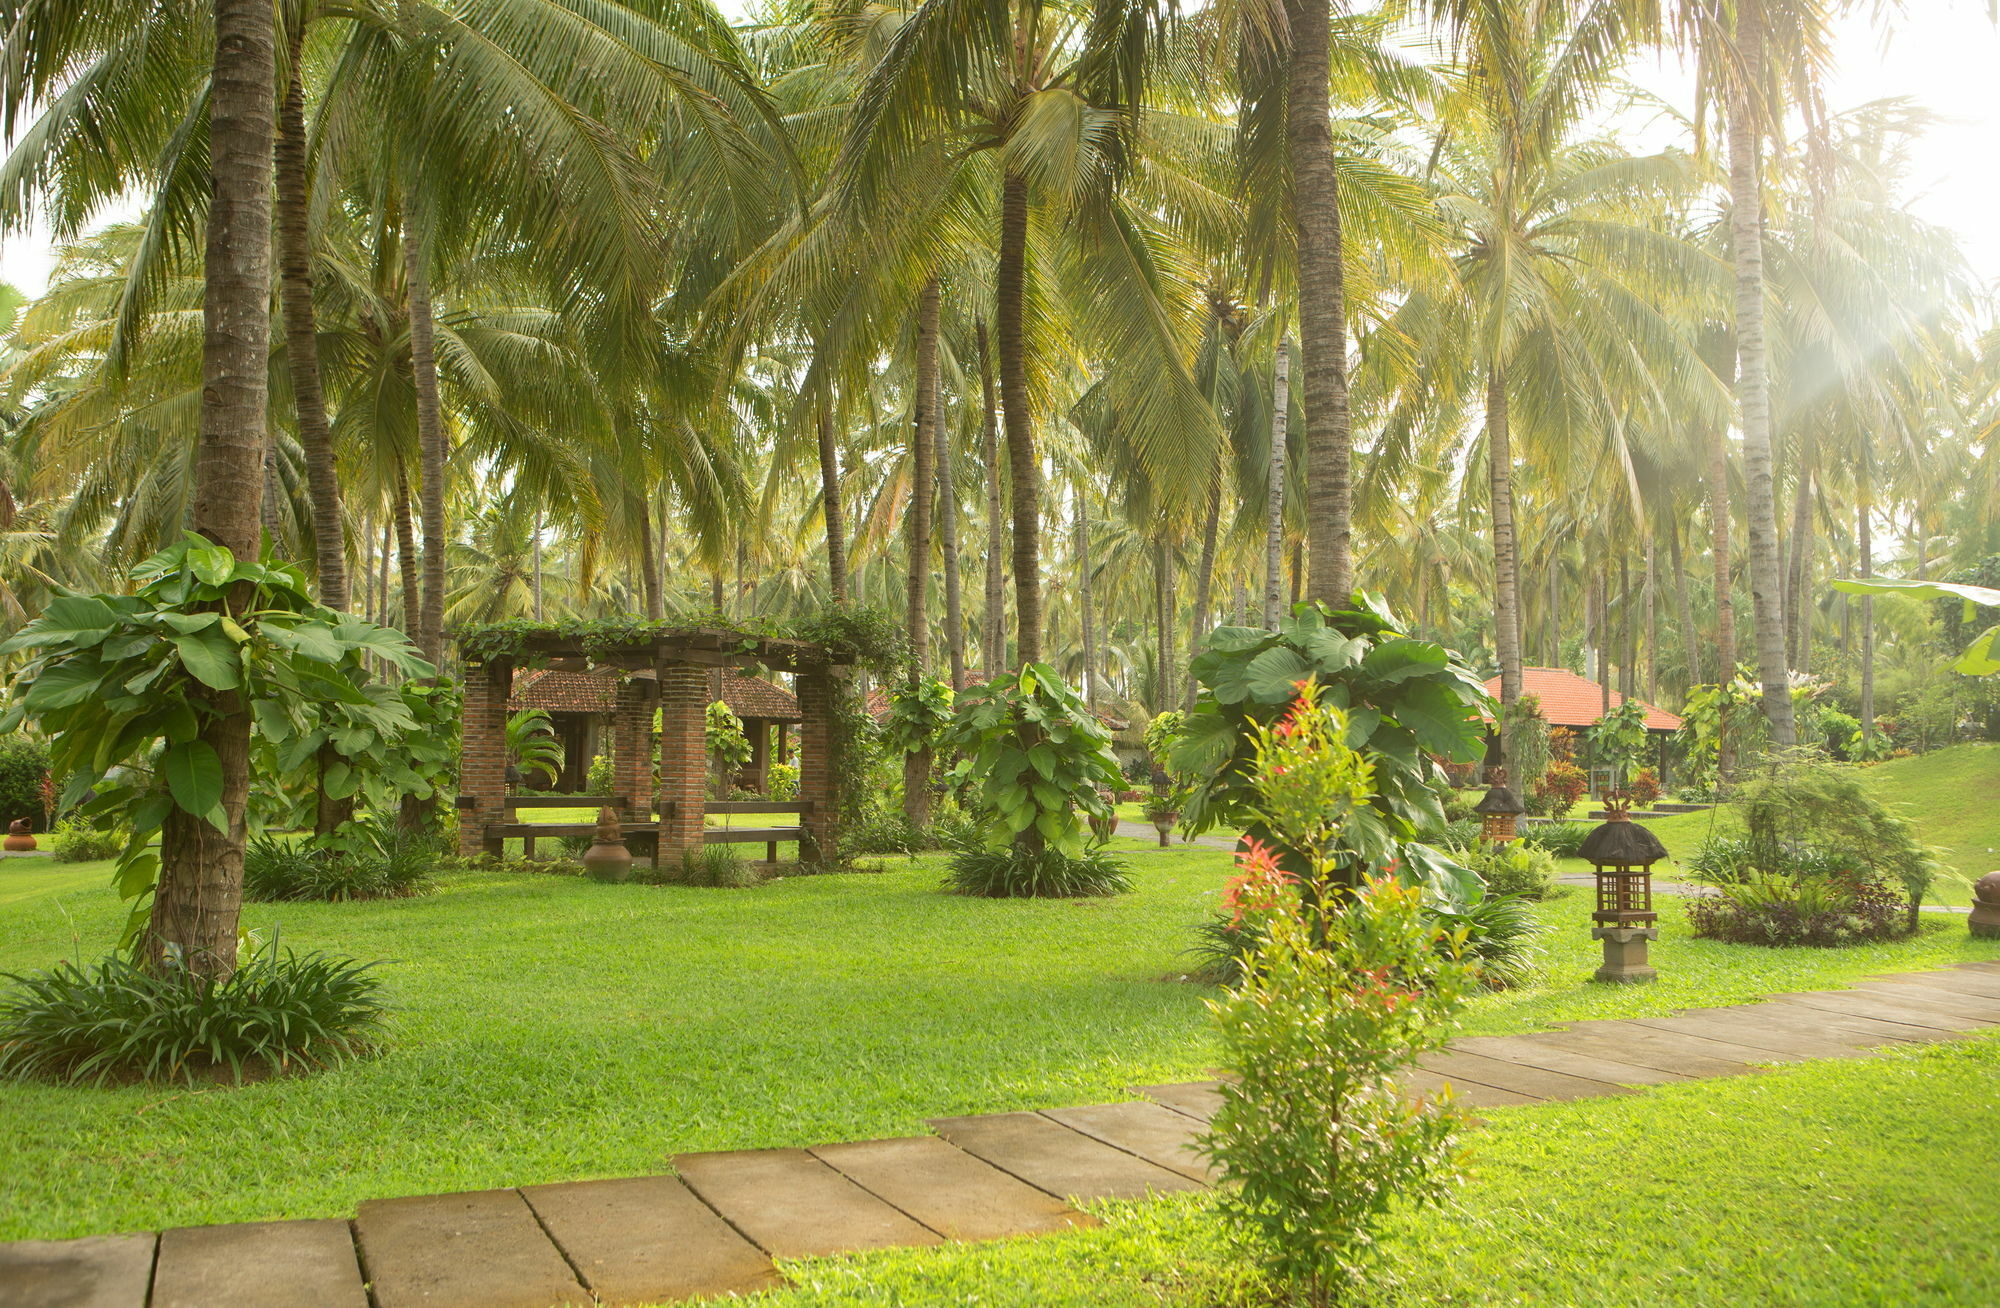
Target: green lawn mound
1951, 795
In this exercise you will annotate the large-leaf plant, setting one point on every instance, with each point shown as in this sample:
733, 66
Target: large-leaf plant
1034, 760
123, 684
1410, 706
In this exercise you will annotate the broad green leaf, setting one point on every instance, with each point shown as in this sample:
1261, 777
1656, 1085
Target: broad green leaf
1982, 656
211, 564
1982, 595
211, 659
1441, 722
65, 684
194, 776
1272, 676
1401, 659
78, 621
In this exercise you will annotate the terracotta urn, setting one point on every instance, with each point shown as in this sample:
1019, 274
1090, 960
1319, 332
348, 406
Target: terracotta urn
1985, 919
607, 859
20, 837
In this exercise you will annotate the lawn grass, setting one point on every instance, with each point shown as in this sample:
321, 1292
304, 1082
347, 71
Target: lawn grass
551, 1028
1848, 1182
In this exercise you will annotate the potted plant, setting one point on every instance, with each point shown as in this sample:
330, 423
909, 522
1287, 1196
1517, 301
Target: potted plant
1103, 826
1163, 807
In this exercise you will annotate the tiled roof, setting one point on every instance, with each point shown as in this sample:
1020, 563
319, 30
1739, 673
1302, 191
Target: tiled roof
564, 692
1572, 701
597, 692
753, 697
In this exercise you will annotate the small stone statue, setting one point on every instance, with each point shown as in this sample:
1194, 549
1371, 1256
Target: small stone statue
1985, 919
20, 836
607, 859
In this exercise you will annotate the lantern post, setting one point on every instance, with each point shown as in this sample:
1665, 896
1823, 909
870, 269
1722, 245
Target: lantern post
1499, 812
1623, 853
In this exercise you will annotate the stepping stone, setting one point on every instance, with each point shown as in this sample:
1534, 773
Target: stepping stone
1196, 1099
1983, 965
97, 1271
259, 1265
1888, 1010
482, 1249
792, 1205
1470, 1094
950, 1191
1158, 1135
1667, 1051
1957, 981
1053, 1158
647, 1239
1532, 1051
1503, 1075
1943, 1001
1779, 1041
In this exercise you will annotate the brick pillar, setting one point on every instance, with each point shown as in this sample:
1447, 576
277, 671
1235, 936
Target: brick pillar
482, 756
632, 751
684, 701
819, 769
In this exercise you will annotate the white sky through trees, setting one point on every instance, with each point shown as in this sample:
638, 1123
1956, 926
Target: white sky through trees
1943, 54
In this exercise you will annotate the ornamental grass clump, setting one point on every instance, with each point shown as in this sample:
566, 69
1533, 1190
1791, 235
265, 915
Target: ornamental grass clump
118, 1020
1343, 988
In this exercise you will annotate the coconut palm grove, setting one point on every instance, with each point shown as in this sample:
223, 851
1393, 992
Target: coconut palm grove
994, 652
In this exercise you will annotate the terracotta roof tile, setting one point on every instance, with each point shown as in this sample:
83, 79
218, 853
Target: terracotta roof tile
753, 697
563, 692
1572, 701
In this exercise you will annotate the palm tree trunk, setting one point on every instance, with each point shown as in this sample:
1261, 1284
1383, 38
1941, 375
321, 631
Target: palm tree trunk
993, 636
1024, 470
1753, 387
302, 337
1864, 537
1651, 584
1322, 306
409, 568
830, 506
199, 896
535, 576
947, 508
1683, 606
649, 565
1274, 493
1204, 586
1083, 600
1506, 581
1799, 607
1164, 660
430, 446
923, 444
1628, 632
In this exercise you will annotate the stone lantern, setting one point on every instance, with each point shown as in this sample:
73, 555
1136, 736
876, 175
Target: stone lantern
1499, 812
1623, 854
1985, 919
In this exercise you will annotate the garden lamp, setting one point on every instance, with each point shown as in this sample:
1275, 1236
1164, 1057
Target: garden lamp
1623, 854
1499, 811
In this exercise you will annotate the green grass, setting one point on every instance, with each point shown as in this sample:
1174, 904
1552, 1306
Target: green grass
1865, 1182
551, 1028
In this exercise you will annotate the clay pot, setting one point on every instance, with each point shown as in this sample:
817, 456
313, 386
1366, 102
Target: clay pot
607, 859
20, 837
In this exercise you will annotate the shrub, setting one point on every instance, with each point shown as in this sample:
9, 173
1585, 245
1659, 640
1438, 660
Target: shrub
1560, 839
782, 781
1644, 787
76, 841
1046, 873
886, 831
1824, 808
1341, 990
1459, 806
1562, 784
1516, 868
24, 767
1498, 938
1036, 762
368, 865
713, 867
1787, 910
602, 779
117, 1021
1721, 860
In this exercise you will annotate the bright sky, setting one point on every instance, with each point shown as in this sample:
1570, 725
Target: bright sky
1945, 54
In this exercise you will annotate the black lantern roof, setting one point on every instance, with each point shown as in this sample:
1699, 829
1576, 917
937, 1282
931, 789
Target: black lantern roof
1620, 843
1500, 802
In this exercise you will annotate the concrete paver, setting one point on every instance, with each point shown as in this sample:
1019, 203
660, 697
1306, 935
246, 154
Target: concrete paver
792, 1205
647, 1239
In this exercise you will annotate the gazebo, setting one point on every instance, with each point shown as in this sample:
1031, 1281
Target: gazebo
1577, 703
668, 671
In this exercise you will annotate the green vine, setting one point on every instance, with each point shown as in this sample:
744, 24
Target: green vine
858, 635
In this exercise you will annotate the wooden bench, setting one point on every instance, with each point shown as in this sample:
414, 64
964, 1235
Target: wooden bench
769, 837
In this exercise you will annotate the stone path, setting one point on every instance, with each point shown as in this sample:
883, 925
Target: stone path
716, 1224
